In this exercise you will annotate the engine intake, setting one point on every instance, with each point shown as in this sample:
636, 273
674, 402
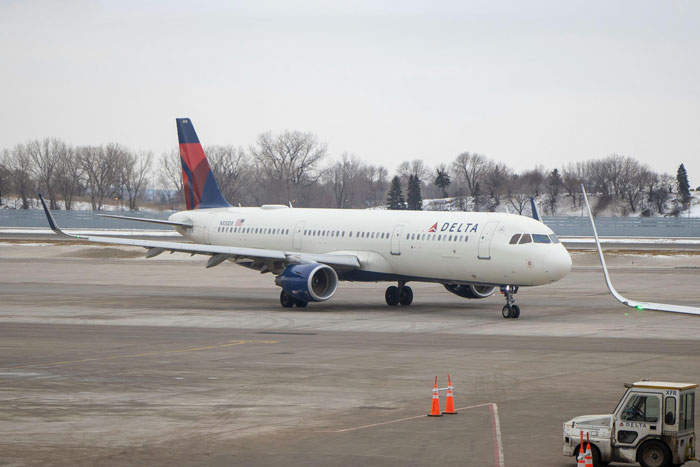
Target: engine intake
309, 282
471, 291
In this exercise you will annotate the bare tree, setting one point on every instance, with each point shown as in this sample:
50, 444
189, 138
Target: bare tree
534, 179
170, 178
572, 178
376, 178
21, 166
5, 175
135, 169
518, 194
344, 178
69, 175
496, 177
231, 168
46, 155
288, 162
470, 168
101, 166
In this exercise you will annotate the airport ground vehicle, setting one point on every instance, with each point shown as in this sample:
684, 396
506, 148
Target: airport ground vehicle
653, 424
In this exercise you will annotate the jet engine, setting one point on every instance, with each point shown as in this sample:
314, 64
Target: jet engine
471, 291
312, 282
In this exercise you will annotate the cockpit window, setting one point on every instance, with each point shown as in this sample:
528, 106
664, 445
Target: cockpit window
554, 238
540, 238
525, 239
515, 239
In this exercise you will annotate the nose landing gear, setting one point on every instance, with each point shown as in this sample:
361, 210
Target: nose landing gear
511, 310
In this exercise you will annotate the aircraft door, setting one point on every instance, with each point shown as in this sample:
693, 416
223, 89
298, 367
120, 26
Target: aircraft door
485, 240
298, 234
396, 240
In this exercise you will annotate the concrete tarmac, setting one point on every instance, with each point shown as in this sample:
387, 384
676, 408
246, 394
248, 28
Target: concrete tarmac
110, 359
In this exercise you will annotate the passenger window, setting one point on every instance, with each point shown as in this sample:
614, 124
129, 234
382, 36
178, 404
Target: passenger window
641, 408
514, 239
466, 238
439, 237
525, 239
539, 238
554, 238
408, 236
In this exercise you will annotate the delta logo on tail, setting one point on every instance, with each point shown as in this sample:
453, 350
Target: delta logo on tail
200, 187
458, 227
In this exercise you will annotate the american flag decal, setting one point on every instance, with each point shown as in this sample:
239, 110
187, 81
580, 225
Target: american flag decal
240, 222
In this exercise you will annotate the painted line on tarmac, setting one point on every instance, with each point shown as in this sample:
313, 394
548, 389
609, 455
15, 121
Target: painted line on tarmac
145, 354
398, 420
497, 441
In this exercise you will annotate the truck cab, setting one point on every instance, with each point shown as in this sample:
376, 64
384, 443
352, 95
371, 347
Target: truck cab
653, 424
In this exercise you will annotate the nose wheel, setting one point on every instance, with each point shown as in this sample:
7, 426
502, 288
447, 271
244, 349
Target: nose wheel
511, 310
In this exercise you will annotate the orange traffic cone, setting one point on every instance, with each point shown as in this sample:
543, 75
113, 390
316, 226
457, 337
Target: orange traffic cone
435, 409
589, 454
581, 456
449, 400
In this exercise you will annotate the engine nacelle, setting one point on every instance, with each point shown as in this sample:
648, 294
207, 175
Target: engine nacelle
309, 282
471, 291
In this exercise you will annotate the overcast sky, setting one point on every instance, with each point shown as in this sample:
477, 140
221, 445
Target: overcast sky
523, 82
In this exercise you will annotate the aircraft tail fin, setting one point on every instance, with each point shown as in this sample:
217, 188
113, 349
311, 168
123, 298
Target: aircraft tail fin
535, 214
201, 189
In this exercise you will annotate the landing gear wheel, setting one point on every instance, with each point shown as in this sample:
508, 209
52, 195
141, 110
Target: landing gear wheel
392, 295
300, 303
507, 311
654, 454
406, 297
516, 311
286, 300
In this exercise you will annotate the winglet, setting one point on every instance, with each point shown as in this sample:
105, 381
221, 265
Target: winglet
52, 222
535, 214
625, 301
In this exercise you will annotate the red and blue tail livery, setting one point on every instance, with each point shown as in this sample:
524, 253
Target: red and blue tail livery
201, 189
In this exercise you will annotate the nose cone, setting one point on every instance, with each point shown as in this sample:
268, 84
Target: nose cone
557, 263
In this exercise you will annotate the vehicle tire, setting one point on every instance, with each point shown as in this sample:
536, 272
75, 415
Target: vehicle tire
654, 453
392, 295
516, 311
406, 297
286, 300
300, 303
507, 311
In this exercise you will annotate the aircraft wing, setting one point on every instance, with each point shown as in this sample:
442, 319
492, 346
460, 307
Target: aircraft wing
632, 303
218, 253
143, 219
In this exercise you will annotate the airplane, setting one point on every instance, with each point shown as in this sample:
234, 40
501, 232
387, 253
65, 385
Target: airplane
309, 251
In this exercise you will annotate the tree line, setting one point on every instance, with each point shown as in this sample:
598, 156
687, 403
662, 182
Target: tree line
294, 166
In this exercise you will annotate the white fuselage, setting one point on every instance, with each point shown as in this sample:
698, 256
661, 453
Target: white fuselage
437, 246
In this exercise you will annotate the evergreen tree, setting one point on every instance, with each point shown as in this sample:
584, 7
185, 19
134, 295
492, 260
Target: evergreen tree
443, 180
395, 198
413, 196
683, 185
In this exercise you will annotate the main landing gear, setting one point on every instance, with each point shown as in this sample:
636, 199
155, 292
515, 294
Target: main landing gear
288, 301
511, 310
402, 294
